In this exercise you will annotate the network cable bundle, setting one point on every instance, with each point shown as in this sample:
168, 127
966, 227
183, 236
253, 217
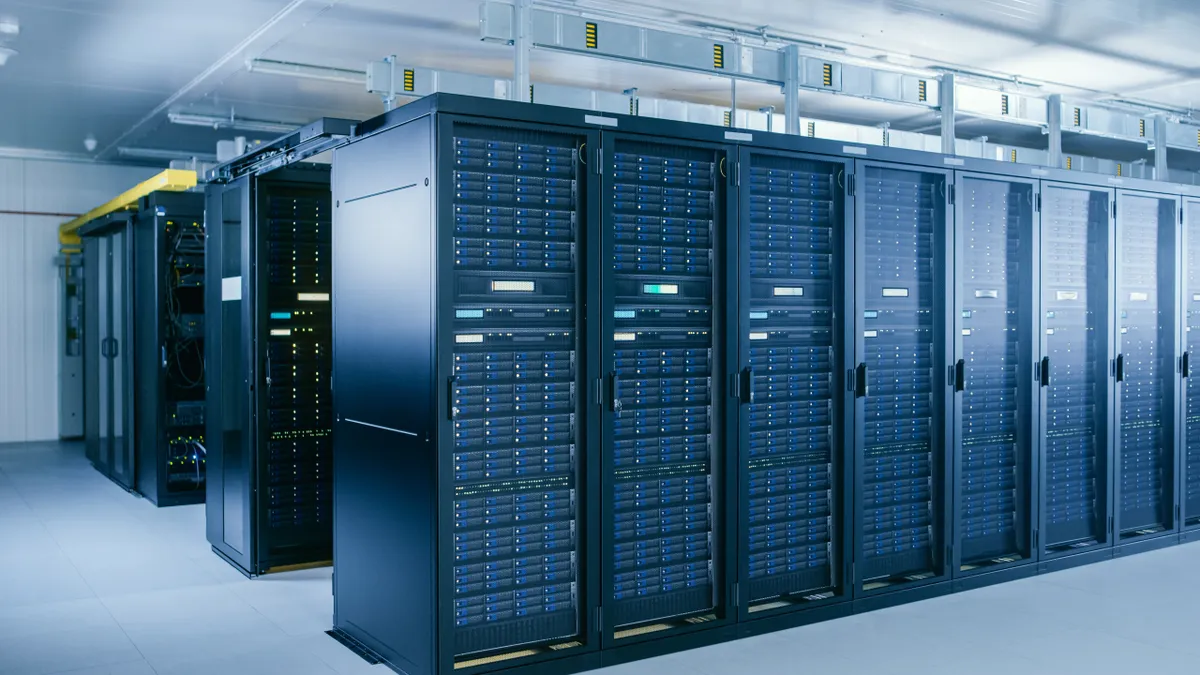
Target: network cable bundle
607, 387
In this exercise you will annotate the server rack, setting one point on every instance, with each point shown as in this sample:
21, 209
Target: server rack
270, 501
995, 408
108, 331
1190, 413
933, 288
145, 376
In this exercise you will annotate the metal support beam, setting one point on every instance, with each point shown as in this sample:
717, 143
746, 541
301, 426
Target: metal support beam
522, 44
171, 180
791, 89
1054, 126
1160, 148
946, 103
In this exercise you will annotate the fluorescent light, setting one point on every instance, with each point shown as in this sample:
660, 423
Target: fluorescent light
218, 122
156, 153
306, 71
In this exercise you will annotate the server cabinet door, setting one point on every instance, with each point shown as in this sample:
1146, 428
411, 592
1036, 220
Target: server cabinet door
95, 358
1076, 402
795, 231
1144, 372
994, 403
122, 357
664, 208
901, 384
1190, 496
516, 222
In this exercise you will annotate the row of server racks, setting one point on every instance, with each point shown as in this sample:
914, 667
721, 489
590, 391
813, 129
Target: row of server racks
269, 494
143, 347
608, 386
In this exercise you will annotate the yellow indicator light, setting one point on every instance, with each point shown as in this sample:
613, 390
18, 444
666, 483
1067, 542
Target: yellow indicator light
718, 56
922, 91
1014, 154
1142, 128
728, 118
591, 38
1068, 164
827, 74
1078, 117
410, 80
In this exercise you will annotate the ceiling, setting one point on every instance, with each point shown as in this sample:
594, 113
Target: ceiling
113, 69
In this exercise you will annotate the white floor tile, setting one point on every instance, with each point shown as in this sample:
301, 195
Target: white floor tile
64, 651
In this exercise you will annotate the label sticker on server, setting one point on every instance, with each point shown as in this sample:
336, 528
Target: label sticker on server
510, 286
468, 314
624, 314
281, 332
870, 333
759, 336
870, 314
1196, 297
231, 289
966, 332
312, 297
895, 292
624, 337
471, 339
990, 293
1139, 297
1067, 295
789, 291
759, 316
1049, 331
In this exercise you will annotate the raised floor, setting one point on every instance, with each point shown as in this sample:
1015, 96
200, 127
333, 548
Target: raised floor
95, 581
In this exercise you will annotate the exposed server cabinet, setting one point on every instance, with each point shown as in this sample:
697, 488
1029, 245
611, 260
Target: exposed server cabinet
168, 368
270, 420
995, 405
903, 250
108, 339
462, 247
1074, 373
1145, 368
796, 228
1190, 446
665, 206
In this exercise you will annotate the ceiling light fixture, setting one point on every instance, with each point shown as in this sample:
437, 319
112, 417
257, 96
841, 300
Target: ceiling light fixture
231, 122
7, 53
9, 27
306, 71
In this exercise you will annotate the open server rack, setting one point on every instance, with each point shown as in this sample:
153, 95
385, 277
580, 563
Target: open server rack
270, 500
608, 387
152, 353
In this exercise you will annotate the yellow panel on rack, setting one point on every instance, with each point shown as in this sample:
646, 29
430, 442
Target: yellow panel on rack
171, 180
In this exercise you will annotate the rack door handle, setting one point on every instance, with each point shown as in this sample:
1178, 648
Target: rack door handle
1046, 371
960, 375
614, 392
748, 394
1120, 367
861, 388
451, 407
1184, 367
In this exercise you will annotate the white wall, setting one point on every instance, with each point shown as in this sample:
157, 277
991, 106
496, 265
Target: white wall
30, 306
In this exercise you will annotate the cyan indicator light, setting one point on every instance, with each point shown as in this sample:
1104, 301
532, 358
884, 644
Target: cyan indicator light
281, 315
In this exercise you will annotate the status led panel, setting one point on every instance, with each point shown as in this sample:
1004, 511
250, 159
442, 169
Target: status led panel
516, 388
994, 268
1074, 369
298, 500
1145, 368
664, 207
792, 459
902, 458
1191, 301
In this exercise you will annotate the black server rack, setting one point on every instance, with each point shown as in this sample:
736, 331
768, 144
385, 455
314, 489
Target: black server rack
903, 294
151, 359
796, 227
108, 340
995, 422
269, 493
1076, 396
1145, 369
1190, 445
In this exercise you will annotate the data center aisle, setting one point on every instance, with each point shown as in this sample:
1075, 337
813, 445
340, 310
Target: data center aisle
94, 581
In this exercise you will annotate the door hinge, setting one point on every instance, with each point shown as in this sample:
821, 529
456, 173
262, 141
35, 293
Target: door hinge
850, 184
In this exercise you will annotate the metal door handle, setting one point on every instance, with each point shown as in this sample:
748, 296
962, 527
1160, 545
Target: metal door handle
1046, 371
960, 375
164, 357
861, 389
451, 409
1185, 368
748, 386
1120, 367
614, 392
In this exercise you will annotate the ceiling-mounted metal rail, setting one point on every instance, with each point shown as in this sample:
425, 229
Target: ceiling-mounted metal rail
303, 143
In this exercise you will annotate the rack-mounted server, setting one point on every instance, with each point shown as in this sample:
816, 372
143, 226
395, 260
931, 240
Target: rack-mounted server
615, 386
145, 357
270, 420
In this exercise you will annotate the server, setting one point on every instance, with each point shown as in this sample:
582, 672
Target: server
607, 387
269, 500
1190, 411
145, 353
995, 409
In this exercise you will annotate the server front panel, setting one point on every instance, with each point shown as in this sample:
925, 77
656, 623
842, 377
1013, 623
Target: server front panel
792, 455
294, 450
900, 381
1075, 368
1145, 368
517, 209
183, 355
995, 296
1191, 429
663, 206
